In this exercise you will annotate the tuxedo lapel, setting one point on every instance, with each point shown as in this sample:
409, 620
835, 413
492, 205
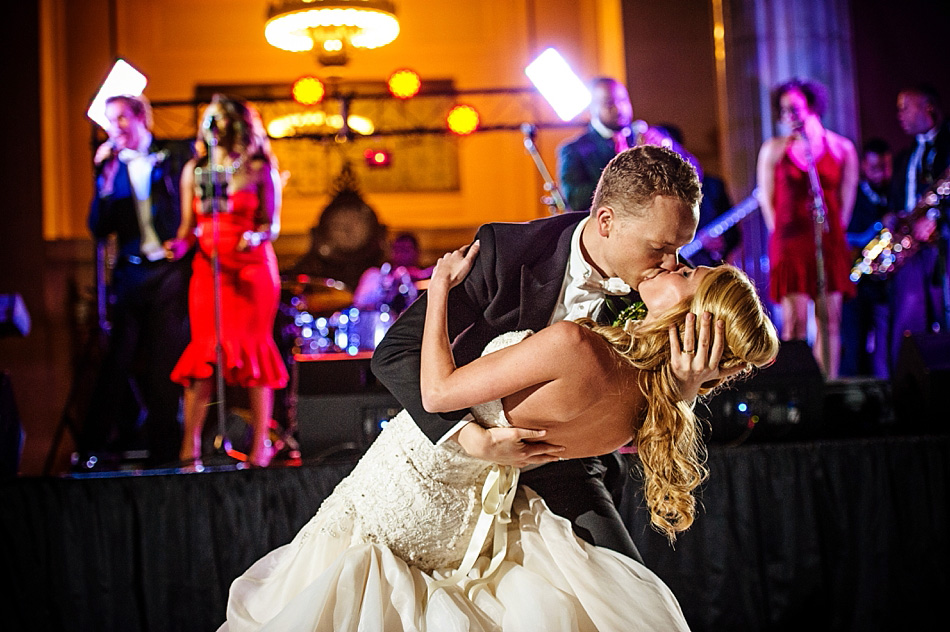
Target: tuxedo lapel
541, 285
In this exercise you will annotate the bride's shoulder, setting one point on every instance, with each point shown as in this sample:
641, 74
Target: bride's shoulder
572, 336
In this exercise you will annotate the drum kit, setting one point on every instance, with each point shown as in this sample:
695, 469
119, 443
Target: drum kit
317, 316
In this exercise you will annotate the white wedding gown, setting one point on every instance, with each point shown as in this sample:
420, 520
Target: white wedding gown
404, 519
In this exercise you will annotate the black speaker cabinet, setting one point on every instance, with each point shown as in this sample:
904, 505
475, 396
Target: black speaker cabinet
333, 425
781, 402
921, 382
341, 407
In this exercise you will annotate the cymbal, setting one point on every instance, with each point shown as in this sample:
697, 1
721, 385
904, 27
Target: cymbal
318, 294
301, 283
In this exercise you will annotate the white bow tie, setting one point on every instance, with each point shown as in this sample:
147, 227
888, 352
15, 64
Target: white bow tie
613, 286
128, 155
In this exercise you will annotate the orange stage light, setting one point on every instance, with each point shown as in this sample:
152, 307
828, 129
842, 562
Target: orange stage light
404, 84
463, 120
308, 90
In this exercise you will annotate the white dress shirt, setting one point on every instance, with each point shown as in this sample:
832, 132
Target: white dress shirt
140, 165
914, 164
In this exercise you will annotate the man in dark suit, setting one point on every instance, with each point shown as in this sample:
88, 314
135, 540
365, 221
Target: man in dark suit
581, 160
919, 284
529, 275
137, 200
867, 317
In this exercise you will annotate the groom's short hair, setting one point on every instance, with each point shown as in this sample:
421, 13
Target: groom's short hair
635, 176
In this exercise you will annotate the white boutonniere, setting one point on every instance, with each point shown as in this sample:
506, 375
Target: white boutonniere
615, 286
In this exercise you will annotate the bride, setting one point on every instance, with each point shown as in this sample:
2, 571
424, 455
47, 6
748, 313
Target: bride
426, 537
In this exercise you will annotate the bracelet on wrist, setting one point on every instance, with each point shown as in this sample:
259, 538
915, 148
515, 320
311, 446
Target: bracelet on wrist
253, 238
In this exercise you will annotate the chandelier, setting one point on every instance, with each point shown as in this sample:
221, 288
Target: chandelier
330, 27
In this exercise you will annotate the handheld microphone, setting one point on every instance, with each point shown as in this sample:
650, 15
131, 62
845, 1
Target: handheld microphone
529, 132
639, 128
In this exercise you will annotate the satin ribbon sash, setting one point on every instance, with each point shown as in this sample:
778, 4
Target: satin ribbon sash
498, 494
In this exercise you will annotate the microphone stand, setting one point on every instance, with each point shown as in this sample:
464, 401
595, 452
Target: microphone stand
217, 192
554, 201
819, 216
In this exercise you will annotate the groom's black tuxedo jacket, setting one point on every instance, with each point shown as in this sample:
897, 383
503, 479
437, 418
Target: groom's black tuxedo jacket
514, 285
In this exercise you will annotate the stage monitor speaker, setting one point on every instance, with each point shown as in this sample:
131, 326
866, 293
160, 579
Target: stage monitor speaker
334, 426
781, 402
921, 382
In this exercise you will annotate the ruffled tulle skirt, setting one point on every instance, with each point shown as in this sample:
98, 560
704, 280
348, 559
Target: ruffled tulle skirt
329, 579
250, 293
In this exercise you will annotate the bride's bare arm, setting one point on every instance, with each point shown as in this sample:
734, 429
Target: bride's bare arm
445, 387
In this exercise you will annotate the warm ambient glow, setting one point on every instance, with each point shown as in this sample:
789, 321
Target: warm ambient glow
310, 122
297, 25
463, 120
308, 91
404, 84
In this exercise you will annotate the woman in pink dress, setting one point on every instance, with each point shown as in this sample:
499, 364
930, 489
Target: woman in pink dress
787, 207
248, 221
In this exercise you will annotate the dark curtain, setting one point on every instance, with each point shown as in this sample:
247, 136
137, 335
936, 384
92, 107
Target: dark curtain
837, 535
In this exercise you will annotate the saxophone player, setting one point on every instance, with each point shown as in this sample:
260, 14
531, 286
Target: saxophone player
919, 300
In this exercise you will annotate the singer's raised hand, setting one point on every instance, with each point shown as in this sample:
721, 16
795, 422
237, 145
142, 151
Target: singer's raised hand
104, 152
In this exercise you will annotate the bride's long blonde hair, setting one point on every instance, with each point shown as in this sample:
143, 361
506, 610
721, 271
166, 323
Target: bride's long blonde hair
669, 439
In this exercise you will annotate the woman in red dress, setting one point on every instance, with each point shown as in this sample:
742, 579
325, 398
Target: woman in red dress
248, 221
787, 207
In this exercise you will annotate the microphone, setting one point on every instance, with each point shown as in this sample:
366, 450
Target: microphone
639, 128
209, 128
529, 132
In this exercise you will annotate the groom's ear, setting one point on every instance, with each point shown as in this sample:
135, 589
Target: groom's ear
605, 218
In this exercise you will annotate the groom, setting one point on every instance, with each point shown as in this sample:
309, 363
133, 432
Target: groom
530, 275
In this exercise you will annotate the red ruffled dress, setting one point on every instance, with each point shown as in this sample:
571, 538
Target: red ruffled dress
250, 292
793, 268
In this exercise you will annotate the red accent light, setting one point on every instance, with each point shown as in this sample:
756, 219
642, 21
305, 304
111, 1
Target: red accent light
377, 157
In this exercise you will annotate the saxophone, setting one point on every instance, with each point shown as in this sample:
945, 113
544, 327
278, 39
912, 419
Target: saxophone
890, 248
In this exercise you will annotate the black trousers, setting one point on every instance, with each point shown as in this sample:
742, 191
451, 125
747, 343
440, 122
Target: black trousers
149, 333
586, 492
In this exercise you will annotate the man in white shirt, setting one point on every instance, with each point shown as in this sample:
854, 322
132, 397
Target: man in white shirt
137, 200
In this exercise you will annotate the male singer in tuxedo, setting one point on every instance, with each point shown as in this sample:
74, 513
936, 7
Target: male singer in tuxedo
137, 200
581, 160
530, 275
919, 285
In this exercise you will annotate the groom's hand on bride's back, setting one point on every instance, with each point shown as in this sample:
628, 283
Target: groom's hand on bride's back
507, 446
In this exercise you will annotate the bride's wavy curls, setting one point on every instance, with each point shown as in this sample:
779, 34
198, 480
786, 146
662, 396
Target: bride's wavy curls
669, 438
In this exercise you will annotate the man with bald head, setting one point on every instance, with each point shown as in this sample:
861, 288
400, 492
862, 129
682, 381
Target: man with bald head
582, 159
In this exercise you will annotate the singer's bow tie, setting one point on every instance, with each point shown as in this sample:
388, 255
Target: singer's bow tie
128, 155
614, 286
